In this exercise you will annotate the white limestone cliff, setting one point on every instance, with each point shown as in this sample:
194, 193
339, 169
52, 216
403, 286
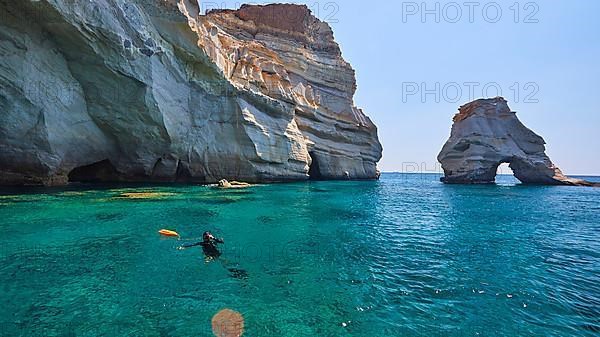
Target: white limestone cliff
121, 90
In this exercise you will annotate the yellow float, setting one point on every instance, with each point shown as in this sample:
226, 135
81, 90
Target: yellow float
168, 233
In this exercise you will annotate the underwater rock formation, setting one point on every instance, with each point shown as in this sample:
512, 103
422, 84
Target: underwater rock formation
485, 134
116, 90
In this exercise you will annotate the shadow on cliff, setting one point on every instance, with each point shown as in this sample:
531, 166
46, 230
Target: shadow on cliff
314, 171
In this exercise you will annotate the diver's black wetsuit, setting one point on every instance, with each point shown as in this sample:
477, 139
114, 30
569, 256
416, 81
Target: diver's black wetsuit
209, 248
211, 251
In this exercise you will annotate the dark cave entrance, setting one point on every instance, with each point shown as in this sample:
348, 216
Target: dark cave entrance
314, 172
102, 171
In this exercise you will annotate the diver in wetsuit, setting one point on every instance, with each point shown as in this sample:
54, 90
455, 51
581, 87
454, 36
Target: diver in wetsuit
211, 251
209, 245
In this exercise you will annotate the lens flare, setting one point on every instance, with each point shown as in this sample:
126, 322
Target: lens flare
228, 323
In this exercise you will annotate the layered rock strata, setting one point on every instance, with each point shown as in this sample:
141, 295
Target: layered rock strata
121, 90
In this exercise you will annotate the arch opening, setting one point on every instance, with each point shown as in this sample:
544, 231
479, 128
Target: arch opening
505, 174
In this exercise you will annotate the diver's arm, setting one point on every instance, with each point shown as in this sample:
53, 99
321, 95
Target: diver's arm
219, 240
190, 245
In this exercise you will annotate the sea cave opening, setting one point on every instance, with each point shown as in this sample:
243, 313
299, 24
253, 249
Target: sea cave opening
314, 172
102, 171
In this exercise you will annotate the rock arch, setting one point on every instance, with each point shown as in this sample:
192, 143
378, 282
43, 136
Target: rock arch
485, 134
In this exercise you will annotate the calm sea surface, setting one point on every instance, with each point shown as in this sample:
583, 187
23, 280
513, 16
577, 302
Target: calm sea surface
404, 256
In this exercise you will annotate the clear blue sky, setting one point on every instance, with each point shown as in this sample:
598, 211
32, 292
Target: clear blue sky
553, 46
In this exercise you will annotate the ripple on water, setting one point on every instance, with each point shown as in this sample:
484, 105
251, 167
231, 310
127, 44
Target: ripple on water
264, 219
224, 200
110, 216
194, 211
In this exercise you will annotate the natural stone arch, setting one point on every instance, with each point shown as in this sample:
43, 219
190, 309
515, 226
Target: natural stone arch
525, 171
485, 134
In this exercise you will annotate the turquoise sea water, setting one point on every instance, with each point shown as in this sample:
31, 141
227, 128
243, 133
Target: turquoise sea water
403, 256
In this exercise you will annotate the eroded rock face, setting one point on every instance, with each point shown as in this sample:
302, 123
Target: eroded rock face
116, 90
485, 134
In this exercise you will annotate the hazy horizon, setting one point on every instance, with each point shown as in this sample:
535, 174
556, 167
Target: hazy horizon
540, 56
